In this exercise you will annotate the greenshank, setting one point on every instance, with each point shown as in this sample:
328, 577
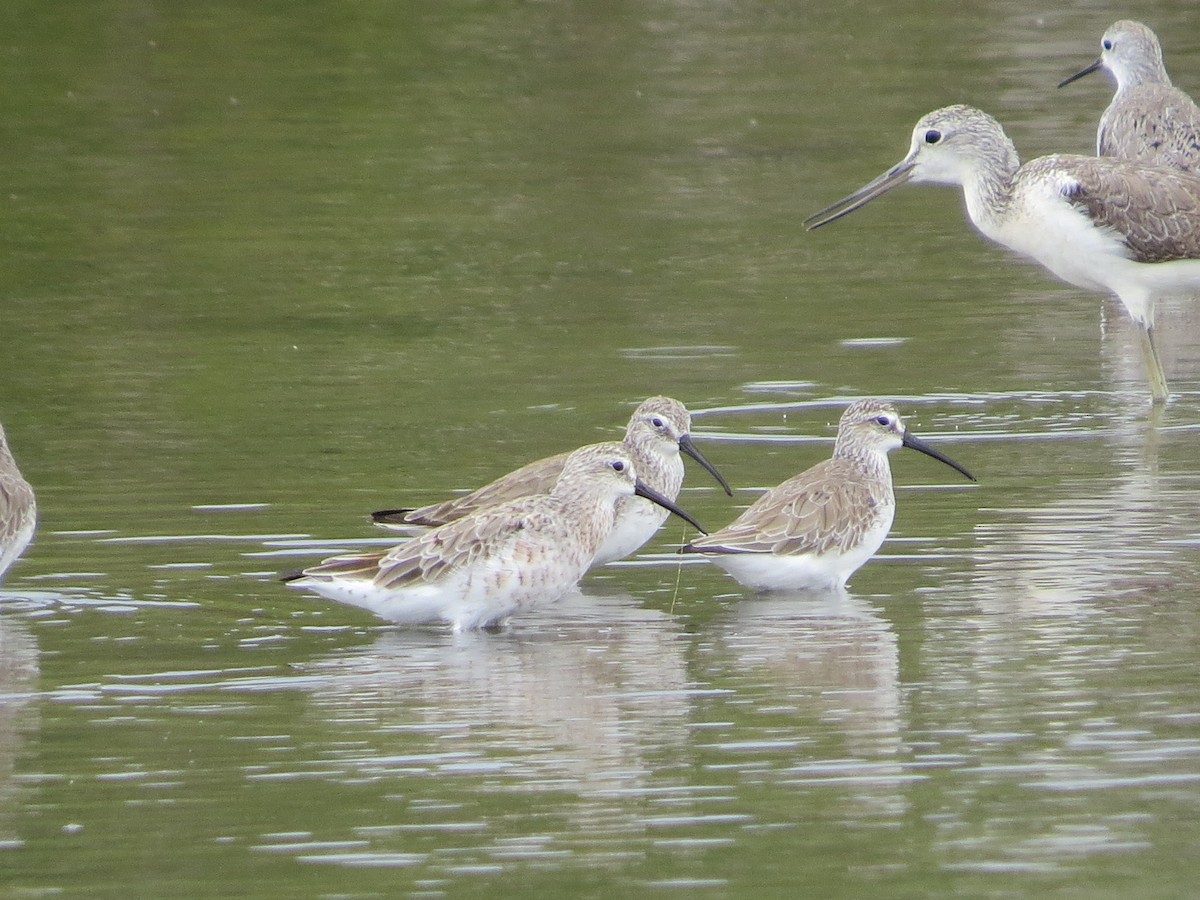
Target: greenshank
1099, 223
1149, 120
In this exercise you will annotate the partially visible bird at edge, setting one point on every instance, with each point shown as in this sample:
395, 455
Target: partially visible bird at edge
18, 509
1149, 119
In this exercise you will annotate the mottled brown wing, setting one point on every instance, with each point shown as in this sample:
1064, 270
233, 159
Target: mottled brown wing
536, 478
1155, 209
460, 543
16, 496
1154, 124
818, 511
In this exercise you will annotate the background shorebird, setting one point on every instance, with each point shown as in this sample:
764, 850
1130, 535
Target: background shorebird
817, 528
1149, 120
658, 430
477, 571
18, 509
1098, 223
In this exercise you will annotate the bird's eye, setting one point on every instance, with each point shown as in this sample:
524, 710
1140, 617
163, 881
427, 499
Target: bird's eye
883, 420
1106, 44
618, 466
932, 136
657, 422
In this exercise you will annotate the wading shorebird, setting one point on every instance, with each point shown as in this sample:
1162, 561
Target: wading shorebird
1098, 223
1149, 120
819, 527
658, 430
477, 571
18, 509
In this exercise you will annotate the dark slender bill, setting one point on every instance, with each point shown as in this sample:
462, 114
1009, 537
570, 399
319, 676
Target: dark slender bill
1088, 71
893, 177
920, 446
655, 497
391, 516
686, 445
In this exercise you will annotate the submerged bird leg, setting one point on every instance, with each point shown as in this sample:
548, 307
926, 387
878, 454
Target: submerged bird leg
1153, 363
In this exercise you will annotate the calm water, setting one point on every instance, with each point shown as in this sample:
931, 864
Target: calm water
271, 267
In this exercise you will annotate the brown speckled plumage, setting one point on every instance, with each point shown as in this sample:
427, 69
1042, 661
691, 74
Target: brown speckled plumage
1155, 211
1099, 223
1149, 119
479, 570
657, 431
815, 529
18, 509
825, 509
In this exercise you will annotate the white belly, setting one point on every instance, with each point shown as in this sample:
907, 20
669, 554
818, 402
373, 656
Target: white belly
806, 571
485, 594
1048, 230
637, 521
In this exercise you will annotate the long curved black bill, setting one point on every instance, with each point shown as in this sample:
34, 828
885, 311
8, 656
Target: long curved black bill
920, 446
686, 445
1088, 71
893, 177
655, 497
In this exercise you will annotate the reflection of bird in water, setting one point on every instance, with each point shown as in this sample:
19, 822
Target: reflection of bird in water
580, 696
826, 658
828, 651
1084, 542
18, 685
